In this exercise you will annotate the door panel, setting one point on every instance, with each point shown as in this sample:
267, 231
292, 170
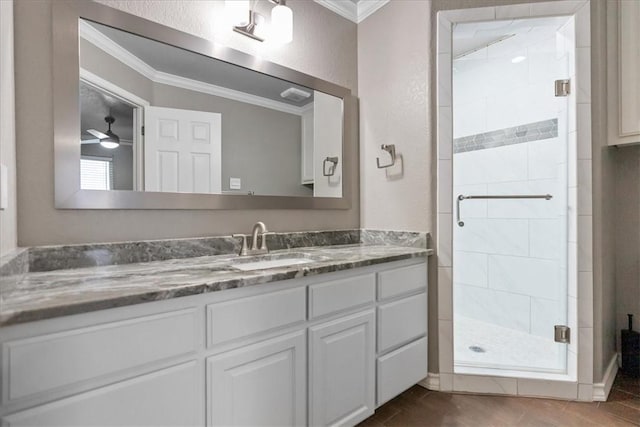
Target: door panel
341, 370
259, 385
183, 151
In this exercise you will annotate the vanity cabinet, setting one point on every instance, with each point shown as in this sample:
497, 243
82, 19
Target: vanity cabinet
167, 397
624, 68
260, 384
402, 330
319, 350
342, 371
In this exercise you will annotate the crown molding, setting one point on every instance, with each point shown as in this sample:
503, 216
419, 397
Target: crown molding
345, 8
367, 8
352, 11
115, 50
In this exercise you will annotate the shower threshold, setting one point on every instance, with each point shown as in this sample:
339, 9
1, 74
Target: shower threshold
487, 349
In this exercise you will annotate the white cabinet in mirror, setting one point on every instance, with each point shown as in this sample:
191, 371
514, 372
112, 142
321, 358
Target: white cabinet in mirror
174, 121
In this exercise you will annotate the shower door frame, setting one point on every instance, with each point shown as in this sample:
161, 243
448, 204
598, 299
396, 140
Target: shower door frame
578, 382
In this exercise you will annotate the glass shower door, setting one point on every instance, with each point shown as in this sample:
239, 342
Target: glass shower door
510, 180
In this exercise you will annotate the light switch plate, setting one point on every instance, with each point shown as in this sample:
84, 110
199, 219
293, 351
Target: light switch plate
235, 183
4, 187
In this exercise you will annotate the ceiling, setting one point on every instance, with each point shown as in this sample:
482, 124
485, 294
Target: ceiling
495, 38
95, 105
172, 60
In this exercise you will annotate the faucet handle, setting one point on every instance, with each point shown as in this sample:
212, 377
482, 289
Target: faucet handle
243, 248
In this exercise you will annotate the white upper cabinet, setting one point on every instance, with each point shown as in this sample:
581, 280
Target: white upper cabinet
624, 63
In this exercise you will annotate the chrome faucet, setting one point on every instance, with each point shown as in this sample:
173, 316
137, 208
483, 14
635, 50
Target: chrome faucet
258, 228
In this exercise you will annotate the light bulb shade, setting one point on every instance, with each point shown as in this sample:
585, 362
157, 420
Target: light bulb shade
109, 144
112, 141
281, 24
237, 12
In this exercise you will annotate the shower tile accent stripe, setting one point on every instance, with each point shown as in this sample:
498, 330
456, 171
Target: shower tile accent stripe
536, 131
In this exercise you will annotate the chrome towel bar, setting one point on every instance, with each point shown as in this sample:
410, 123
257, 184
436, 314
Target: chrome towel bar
461, 197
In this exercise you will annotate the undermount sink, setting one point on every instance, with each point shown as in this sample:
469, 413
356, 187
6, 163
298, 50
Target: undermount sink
272, 263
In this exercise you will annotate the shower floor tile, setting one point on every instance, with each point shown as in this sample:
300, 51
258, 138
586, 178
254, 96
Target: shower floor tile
485, 345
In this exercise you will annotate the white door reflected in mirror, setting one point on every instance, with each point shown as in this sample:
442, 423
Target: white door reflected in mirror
183, 151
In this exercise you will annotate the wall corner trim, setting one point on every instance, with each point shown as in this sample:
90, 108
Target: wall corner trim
432, 382
352, 11
601, 390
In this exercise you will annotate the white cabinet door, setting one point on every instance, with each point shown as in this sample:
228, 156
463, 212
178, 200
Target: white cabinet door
169, 397
341, 370
182, 151
263, 384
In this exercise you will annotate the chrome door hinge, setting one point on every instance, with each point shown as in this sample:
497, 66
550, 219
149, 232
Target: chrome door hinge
562, 334
563, 87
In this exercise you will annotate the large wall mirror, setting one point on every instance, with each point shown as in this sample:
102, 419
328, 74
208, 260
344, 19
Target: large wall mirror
148, 117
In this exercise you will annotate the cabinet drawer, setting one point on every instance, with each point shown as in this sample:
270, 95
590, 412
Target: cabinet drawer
401, 321
48, 362
163, 398
235, 319
337, 295
400, 369
400, 281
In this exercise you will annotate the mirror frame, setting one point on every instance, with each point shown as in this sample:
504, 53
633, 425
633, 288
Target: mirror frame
66, 109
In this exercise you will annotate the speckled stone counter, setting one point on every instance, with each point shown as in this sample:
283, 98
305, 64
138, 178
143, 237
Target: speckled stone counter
42, 295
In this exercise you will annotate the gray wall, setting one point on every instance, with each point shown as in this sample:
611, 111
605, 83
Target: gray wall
627, 235
8, 217
627, 207
324, 46
259, 145
394, 91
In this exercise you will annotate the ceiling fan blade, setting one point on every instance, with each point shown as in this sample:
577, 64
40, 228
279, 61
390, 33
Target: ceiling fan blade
90, 141
97, 134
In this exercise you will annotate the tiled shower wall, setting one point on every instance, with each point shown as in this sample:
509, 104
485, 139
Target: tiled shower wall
510, 137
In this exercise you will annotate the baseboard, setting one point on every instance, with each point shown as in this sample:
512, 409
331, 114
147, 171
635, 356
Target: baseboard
601, 390
432, 382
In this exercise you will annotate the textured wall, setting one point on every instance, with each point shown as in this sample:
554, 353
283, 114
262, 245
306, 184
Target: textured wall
8, 217
392, 85
324, 46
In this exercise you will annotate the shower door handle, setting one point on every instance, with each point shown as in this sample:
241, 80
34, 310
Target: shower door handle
461, 198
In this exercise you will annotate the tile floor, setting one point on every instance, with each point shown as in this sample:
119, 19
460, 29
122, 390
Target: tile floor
420, 407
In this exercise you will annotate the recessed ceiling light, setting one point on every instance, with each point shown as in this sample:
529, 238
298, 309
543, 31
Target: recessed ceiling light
518, 59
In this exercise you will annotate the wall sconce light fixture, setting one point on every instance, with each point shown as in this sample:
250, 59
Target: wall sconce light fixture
251, 24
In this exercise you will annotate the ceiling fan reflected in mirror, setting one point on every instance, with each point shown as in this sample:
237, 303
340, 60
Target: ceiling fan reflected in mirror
107, 139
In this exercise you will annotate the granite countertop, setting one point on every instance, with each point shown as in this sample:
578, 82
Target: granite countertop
43, 295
